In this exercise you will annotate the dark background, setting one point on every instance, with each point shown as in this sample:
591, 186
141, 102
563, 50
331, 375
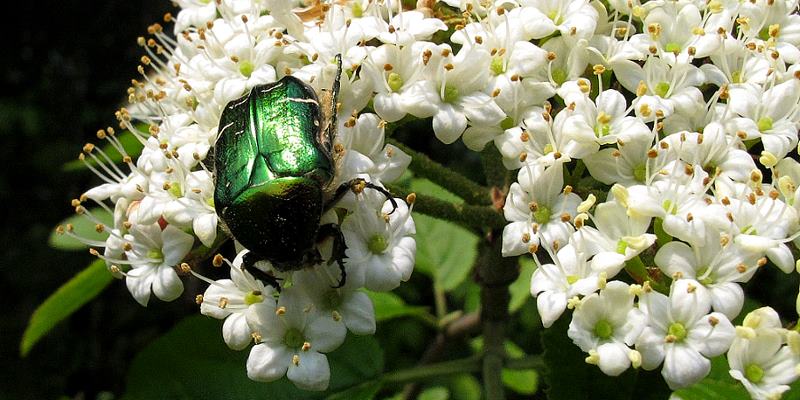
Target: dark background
64, 71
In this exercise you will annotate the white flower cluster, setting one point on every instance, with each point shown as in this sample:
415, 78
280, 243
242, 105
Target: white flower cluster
163, 207
668, 105
664, 102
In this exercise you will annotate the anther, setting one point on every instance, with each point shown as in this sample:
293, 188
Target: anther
218, 260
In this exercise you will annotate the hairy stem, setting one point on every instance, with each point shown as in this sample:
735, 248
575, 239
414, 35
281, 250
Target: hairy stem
468, 216
458, 184
469, 364
495, 274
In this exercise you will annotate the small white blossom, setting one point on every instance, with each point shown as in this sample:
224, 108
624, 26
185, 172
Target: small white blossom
682, 333
605, 325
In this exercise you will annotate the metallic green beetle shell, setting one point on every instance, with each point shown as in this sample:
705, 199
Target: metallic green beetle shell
271, 171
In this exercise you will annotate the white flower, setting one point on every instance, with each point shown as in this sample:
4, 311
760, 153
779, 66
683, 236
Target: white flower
291, 340
392, 70
408, 27
682, 333
769, 114
603, 121
628, 164
456, 96
232, 299
713, 150
538, 210
572, 274
716, 266
366, 154
615, 232
575, 18
153, 255
661, 87
605, 325
345, 304
760, 357
380, 246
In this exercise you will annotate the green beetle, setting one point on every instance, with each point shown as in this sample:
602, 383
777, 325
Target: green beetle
274, 171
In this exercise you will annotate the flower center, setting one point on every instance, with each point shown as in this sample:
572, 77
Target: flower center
736, 76
662, 88
673, 47
704, 277
750, 230
497, 66
395, 81
253, 297
358, 11
754, 373
175, 189
559, 75
667, 206
572, 279
555, 17
331, 300
622, 246
678, 331
507, 123
246, 68
640, 172
377, 244
155, 254
603, 329
450, 94
293, 338
764, 124
542, 215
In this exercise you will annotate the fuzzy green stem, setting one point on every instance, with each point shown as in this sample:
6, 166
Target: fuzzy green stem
468, 365
461, 186
459, 366
468, 216
496, 173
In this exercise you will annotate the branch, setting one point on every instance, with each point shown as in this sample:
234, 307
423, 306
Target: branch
469, 364
468, 216
495, 273
458, 184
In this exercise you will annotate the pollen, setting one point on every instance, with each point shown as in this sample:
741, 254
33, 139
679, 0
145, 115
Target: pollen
218, 260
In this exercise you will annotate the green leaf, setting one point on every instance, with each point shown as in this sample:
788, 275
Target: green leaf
429, 188
364, 391
464, 387
524, 381
78, 291
82, 227
129, 142
434, 393
717, 385
192, 362
445, 251
521, 288
389, 305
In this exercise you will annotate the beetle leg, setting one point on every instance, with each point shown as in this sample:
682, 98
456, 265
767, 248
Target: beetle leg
353, 184
248, 264
384, 192
339, 248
